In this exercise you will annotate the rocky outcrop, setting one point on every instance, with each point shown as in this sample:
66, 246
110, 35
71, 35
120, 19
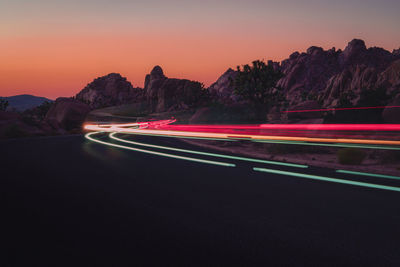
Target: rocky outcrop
390, 78
67, 114
308, 73
330, 75
153, 82
356, 76
222, 88
109, 90
166, 94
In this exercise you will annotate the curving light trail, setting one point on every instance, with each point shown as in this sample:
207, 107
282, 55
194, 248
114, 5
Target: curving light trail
229, 132
338, 109
112, 136
89, 137
164, 128
329, 179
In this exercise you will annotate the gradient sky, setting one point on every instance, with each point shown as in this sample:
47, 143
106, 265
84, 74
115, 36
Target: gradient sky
54, 48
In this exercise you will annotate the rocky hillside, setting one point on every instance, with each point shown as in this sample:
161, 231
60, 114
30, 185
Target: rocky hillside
327, 75
318, 78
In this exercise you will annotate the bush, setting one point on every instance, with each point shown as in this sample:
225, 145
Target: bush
3, 104
14, 131
351, 156
257, 84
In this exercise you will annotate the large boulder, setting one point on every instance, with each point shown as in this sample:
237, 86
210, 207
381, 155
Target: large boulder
67, 114
307, 73
167, 94
109, 90
222, 88
353, 52
153, 82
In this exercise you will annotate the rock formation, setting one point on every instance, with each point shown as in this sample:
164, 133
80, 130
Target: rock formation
332, 78
317, 78
222, 88
167, 94
67, 114
109, 90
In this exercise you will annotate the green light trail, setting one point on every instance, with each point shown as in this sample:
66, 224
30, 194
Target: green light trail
112, 136
328, 179
328, 145
369, 174
185, 137
88, 136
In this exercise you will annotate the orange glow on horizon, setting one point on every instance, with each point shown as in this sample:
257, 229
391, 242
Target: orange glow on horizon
54, 66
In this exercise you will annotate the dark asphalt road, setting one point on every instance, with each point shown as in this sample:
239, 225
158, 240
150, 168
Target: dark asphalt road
71, 202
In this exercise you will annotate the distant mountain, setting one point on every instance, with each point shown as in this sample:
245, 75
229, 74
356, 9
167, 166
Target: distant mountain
24, 102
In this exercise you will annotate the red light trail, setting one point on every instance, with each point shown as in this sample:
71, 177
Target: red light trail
338, 109
253, 132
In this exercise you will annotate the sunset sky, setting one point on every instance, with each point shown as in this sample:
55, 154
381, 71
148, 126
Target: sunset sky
54, 48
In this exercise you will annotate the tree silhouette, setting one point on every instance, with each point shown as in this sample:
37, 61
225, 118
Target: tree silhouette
3, 104
257, 83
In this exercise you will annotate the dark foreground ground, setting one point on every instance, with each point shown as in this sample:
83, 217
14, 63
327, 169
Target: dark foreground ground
70, 202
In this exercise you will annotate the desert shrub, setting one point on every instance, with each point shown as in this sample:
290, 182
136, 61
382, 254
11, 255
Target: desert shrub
3, 104
351, 156
257, 83
14, 131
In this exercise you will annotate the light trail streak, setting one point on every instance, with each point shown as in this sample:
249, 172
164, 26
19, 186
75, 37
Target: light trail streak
162, 128
338, 109
329, 179
319, 127
369, 174
329, 145
145, 129
112, 136
185, 137
253, 137
88, 136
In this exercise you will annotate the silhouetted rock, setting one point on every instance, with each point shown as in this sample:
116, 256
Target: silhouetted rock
330, 75
166, 94
109, 90
353, 52
67, 114
222, 88
153, 82
307, 73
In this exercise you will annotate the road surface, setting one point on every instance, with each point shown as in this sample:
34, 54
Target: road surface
72, 202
